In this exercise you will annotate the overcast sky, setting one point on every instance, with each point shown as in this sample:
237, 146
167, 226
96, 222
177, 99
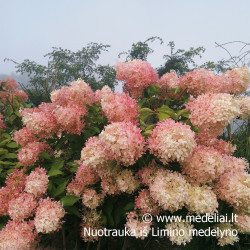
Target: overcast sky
30, 28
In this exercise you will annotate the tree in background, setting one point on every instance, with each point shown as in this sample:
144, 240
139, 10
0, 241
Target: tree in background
180, 60
140, 50
65, 66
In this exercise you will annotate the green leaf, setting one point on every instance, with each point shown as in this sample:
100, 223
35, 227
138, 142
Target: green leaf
153, 90
162, 116
145, 113
57, 164
12, 118
17, 113
129, 206
9, 111
10, 171
164, 112
3, 151
45, 155
178, 90
60, 189
147, 133
7, 163
2, 143
72, 210
6, 135
10, 156
103, 219
54, 172
69, 200
113, 164
3, 221
150, 127
12, 145
185, 113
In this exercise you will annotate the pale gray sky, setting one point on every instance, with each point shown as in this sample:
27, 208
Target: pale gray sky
30, 28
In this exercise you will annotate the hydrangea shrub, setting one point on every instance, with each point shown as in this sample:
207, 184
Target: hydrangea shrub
103, 159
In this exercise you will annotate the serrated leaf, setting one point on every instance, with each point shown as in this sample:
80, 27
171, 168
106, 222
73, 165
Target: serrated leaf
69, 200
12, 145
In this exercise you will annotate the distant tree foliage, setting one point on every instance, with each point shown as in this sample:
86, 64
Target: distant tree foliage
140, 50
65, 66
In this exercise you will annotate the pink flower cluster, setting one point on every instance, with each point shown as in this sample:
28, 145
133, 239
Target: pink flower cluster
85, 176
120, 108
199, 81
99, 94
137, 228
93, 156
235, 81
146, 204
18, 236
29, 154
171, 141
213, 112
180, 238
40, 121
37, 182
48, 216
244, 103
24, 136
170, 190
19, 200
10, 91
78, 93
220, 145
123, 142
202, 81
201, 200
91, 198
15, 184
204, 165
137, 75
166, 82
234, 188
70, 118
